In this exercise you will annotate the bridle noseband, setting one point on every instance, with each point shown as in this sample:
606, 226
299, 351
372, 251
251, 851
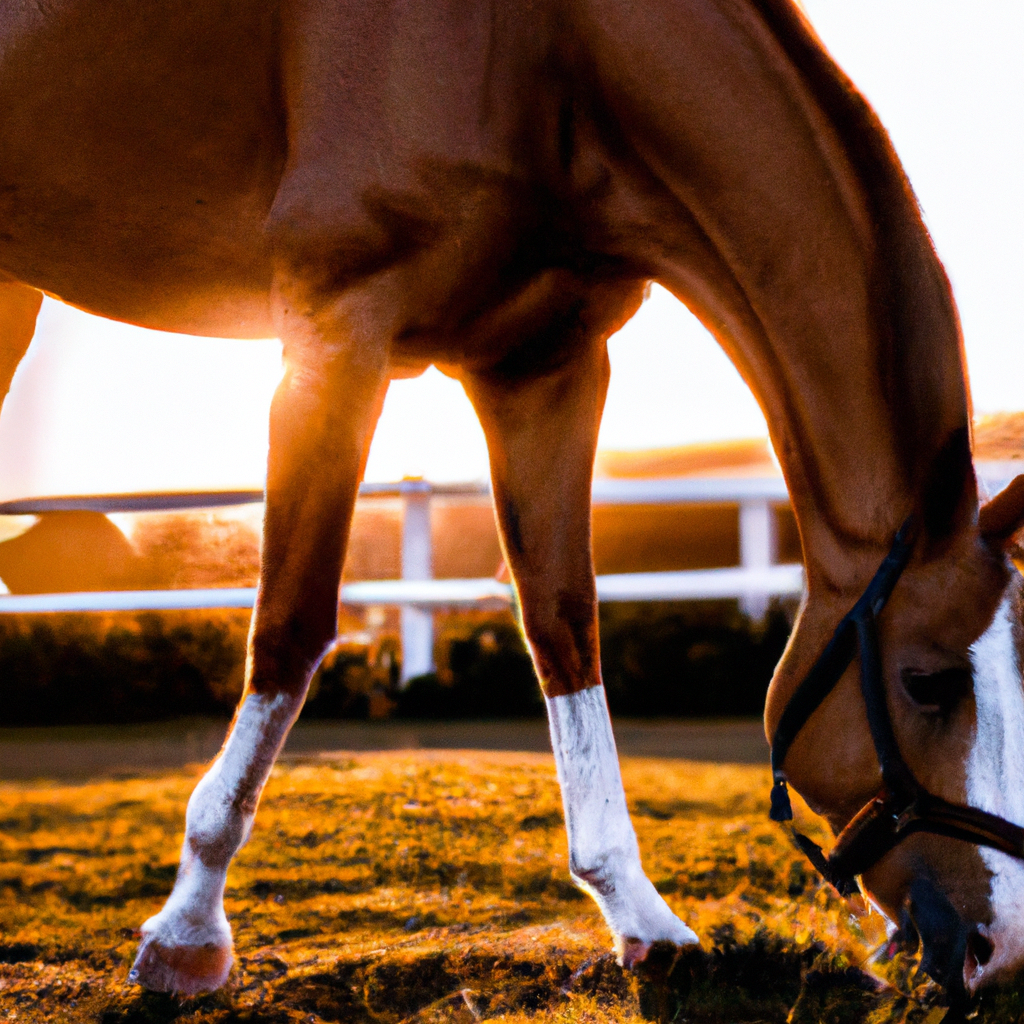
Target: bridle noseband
903, 806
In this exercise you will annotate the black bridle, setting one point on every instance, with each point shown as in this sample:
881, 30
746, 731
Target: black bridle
902, 806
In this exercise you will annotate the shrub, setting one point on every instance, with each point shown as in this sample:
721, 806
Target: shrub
488, 674
681, 660
658, 660
688, 660
82, 669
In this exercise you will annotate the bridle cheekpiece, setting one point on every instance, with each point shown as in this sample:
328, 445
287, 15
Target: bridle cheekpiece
902, 806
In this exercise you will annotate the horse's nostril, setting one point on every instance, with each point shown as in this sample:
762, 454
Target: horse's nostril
977, 955
979, 949
943, 935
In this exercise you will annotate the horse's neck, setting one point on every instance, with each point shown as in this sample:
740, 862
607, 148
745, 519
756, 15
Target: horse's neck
805, 253
870, 419
862, 384
875, 423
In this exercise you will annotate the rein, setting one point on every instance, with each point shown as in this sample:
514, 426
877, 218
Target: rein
902, 806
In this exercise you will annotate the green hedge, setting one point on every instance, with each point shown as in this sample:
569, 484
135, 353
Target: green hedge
658, 660
89, 669
688, 660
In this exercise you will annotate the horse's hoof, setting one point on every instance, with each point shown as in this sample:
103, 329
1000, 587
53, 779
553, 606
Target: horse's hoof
182, 970
637, 914
637, 953
632, 951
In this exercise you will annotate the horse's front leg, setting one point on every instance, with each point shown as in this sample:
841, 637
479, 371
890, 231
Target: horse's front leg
542, 436
321, 418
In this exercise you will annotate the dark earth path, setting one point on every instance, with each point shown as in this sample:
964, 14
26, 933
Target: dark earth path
70, 753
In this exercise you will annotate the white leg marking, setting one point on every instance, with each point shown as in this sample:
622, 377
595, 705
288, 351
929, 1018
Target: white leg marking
995, 782
604, 858
187, 948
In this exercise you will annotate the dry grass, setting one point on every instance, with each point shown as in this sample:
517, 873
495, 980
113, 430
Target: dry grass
432, 887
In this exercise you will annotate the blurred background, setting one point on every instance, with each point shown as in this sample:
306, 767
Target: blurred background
687, 487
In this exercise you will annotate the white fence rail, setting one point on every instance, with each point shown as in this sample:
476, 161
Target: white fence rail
418, 594
753, 583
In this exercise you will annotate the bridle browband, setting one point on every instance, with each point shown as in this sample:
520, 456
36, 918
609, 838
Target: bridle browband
902, 806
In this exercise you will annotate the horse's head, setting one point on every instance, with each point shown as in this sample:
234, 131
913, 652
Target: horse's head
950, 650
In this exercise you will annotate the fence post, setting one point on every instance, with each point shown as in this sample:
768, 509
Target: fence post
757, 550
417, 623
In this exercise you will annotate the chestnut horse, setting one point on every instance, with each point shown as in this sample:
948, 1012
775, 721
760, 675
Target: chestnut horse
489, 188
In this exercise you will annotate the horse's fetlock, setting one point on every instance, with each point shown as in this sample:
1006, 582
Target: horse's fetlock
594, 882
215, 827
216, 850
598, 875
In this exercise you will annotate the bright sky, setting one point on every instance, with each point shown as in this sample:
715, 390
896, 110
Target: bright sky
102, 407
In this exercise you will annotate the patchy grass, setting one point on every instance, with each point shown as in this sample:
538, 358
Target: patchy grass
432, 887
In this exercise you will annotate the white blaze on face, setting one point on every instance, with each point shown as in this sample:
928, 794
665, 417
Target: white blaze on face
995, 783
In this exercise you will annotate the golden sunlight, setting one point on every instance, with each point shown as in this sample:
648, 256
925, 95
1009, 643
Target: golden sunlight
103, 407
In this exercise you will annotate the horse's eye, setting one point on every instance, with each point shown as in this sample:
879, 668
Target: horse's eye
938, 691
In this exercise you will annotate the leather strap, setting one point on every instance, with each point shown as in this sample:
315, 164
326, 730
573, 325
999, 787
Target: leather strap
903, 807
832, 663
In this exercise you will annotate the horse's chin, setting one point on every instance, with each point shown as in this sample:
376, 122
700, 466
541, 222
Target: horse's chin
995, 952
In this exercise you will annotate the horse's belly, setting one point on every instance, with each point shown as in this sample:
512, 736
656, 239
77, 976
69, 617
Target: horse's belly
207, 277
141, 145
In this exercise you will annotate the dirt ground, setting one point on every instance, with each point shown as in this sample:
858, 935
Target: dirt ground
431, 886
78, 753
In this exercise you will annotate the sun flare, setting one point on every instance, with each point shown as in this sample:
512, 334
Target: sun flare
99, 407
